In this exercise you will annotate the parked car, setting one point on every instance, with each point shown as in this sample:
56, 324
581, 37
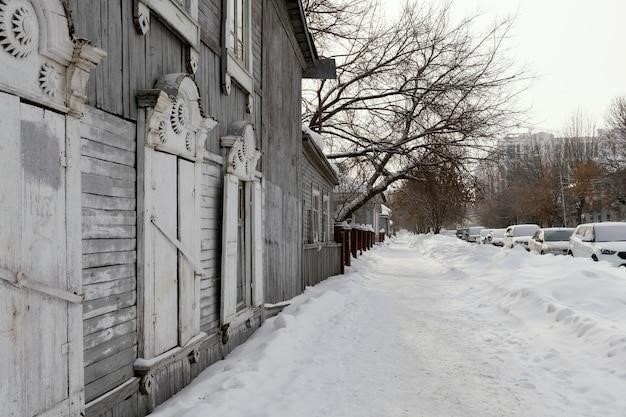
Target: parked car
496, 237
483, 236
519, 234
473, 233
553, 240
600, 242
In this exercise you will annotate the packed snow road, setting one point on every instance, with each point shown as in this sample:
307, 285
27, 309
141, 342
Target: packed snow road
433, 327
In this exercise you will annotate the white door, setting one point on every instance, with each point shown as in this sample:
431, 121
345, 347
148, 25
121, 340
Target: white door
165, 254
34, 316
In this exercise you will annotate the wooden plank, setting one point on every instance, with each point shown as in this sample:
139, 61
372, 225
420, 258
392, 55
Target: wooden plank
110, 348
98, 150
109, 320
109, 304
95, 339
93, 131
108, 273
108, 169
107, 383
108, 245
93, 260
106, 366
107, 186
96, 231
105, 289
123, 393
107, 203
108, 217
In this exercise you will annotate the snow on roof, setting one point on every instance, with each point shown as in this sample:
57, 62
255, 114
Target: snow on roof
317, 138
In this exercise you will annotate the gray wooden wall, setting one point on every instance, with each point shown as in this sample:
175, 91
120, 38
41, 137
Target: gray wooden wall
135, 63
281, 147
109, 250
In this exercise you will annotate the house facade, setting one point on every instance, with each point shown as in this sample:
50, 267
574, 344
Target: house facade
321, 255
151, 199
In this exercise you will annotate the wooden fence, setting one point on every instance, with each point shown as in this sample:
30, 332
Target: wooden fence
320, 262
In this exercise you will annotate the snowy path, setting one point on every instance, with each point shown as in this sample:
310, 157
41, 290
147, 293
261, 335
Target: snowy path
433, 327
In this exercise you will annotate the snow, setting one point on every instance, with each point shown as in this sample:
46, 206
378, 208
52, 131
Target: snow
317, 138
384, 210
433, 326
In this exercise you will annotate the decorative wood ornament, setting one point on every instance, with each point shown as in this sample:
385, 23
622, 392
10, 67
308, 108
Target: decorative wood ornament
243, 155
18, 28
40, 60
175, 119
48, 79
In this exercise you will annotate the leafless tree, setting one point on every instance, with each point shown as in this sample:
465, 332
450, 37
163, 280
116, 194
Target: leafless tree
437, 197
412, 91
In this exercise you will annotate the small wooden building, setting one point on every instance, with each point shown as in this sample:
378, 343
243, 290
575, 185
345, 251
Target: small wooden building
321, 255
151, 199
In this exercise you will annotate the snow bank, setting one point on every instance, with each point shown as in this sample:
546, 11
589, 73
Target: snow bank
264, 364
583, 298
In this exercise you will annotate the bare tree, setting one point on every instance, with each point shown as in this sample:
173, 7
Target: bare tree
410, 92
439, 197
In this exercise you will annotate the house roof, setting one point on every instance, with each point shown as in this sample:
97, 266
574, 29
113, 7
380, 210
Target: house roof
316, 67
313, 150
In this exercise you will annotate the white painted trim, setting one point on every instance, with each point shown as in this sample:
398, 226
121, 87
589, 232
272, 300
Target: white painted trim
234, 68
184, 22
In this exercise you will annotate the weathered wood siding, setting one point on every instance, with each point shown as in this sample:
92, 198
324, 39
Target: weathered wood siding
109, 250
319, 263
210, 255
133, 62
312, 179
281, 147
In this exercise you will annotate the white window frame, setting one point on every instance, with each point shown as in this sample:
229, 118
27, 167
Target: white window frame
316, 215
180, 15
326, 216
242, 144
235, 69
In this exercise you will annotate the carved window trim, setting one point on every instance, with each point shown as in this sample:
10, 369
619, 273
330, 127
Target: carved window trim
234, 68
171, 121
180, 15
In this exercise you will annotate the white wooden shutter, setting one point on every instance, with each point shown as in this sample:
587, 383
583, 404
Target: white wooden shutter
257, 244
37, 353
165, 255
187, 284
229, 248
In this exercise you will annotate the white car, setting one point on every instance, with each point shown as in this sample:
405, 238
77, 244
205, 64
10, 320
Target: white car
483, 236
473, 233
600, 242
496, 237
519, 234
553, 240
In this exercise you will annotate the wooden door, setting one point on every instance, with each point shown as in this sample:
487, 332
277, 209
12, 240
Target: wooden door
35, 313
165, 254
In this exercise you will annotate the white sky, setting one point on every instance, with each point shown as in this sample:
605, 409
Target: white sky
575, 48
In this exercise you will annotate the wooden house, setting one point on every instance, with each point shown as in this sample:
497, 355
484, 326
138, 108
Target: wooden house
150, 201
321, 255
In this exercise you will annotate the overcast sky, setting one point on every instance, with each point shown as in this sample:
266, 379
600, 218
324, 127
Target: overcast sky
575, 48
